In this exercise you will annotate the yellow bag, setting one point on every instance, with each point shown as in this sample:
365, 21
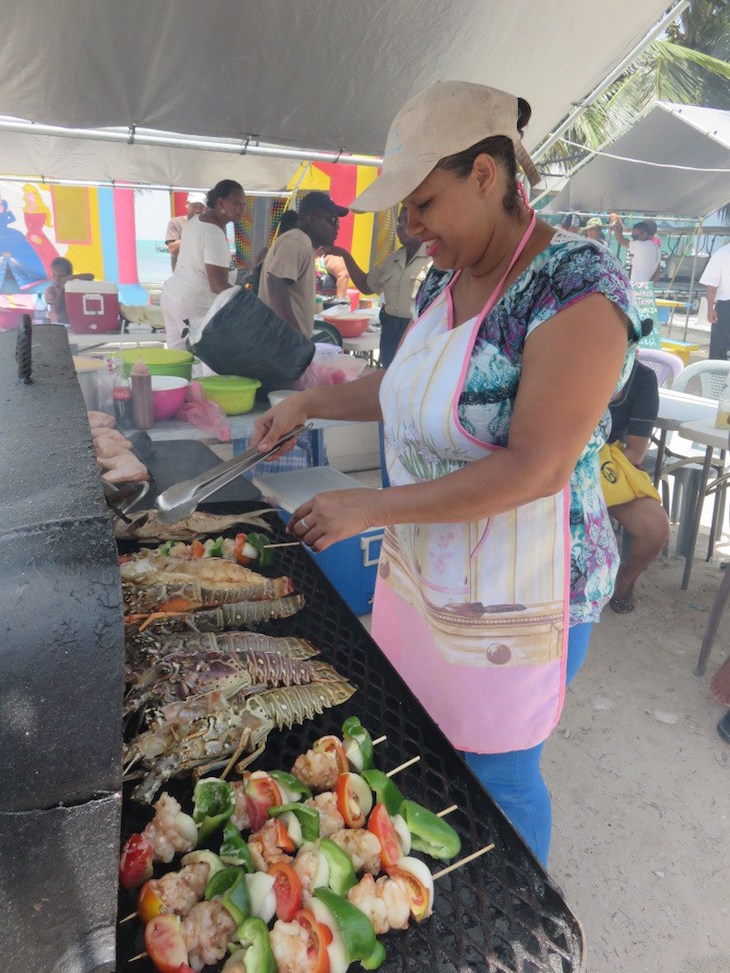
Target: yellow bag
620, 479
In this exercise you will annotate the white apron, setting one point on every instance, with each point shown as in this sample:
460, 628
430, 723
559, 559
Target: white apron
474, 616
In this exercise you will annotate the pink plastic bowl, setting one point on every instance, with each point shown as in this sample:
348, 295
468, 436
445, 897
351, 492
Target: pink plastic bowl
168, 394
349, 325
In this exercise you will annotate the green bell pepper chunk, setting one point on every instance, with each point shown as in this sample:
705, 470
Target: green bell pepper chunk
307, 816
356, 929
230, 886
385, 790
234, 850
342, 874
260, 543
213, 803
352, 729
430, 833
292, 783
254, 937
215, 549
164, 549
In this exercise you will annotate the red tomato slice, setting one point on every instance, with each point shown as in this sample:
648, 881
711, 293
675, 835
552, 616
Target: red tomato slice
149, 903
197, 549
283, 839
354, 799
262, 793
382, 827
318, 960
417, 893
165, 944
332, 744
135, 864
288, 890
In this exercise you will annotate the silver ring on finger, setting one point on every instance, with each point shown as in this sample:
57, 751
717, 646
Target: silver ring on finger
304, 524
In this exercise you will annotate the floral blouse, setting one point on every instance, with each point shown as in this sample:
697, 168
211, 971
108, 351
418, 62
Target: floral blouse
570, 268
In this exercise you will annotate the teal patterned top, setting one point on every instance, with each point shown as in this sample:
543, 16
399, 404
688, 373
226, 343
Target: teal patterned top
569, 269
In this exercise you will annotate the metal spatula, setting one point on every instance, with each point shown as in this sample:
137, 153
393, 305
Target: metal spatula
182, 499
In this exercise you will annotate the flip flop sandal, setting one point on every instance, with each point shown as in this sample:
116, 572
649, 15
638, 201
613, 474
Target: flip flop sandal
622, 606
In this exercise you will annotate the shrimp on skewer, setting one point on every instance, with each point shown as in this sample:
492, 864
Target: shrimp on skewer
385, 902
290, 945
176, 892
307, 866
330, 819
361, 847
317, 769
240, 815
170, 830
271, 844
320, 767
207, 930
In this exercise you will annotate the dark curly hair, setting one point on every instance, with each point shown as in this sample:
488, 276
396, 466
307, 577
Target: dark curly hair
222, 190
500, 148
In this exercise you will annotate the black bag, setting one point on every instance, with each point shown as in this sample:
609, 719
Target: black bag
247, 338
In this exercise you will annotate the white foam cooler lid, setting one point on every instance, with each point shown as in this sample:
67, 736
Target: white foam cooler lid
91, 287
290, 490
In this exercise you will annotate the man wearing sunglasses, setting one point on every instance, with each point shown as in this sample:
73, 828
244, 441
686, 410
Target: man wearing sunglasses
287, 276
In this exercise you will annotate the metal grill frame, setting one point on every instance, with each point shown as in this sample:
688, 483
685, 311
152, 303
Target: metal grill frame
500, 913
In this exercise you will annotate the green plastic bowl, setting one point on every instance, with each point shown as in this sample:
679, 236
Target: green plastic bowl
235, 395
160, 361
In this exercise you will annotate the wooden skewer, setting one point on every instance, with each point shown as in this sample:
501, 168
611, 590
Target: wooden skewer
284, 544
463, 861
127, 918
447, 810
408, 763
381, 739
138, 956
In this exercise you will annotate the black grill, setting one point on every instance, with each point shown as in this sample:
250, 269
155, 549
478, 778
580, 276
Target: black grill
498, 913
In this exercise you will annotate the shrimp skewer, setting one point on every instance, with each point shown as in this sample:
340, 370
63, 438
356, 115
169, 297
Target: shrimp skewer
207, 930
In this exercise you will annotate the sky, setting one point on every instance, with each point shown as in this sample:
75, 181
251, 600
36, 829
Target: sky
151, 213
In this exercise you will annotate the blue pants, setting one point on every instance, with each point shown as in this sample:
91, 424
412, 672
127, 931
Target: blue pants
514, 780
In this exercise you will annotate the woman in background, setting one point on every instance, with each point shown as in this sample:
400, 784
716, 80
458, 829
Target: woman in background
203, 262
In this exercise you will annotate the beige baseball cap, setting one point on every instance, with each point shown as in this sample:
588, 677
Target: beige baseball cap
446, 118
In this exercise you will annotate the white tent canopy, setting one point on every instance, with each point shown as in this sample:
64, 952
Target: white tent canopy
44, 157
322, 74
693, 140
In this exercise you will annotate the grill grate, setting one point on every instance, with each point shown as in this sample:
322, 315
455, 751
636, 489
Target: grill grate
500, 913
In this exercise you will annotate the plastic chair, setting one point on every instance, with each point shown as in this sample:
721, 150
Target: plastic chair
711, 376
666, 365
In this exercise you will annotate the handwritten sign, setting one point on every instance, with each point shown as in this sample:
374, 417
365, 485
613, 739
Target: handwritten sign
645, 301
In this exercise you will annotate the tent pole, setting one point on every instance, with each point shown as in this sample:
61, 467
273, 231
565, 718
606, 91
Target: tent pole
692, 278
669, 17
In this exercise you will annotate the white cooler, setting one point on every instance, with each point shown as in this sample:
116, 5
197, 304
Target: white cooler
351, 565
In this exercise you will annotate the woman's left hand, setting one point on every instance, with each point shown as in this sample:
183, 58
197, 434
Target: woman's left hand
333, 516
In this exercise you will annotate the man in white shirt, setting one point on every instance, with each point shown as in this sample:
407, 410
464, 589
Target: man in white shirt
287, 282
716, 278
645, 254
194, 206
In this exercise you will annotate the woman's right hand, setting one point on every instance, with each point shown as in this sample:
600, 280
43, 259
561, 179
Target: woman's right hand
278, 422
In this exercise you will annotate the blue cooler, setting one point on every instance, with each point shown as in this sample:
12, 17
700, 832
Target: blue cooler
350, 565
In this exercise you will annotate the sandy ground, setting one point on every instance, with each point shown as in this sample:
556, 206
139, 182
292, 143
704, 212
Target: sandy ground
641, 779
641, 786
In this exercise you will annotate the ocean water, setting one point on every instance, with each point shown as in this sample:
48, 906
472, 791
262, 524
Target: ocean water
153, 266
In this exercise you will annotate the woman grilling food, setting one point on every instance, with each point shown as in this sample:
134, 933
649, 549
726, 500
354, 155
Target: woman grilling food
498, 554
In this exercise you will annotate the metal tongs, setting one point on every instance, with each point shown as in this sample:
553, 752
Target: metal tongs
182, 499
